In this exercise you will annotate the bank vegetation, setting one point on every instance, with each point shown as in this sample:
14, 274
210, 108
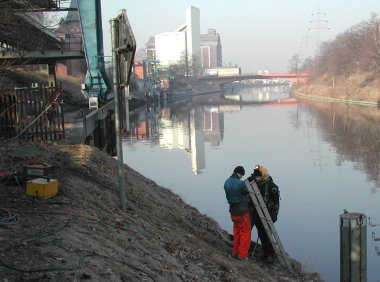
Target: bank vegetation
346, 67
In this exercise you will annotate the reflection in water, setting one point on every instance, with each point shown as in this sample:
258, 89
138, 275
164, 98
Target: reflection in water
259, 94
183, 127
355, 134
186, 127
324, 156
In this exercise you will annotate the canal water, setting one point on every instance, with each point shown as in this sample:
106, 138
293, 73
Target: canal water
325, 157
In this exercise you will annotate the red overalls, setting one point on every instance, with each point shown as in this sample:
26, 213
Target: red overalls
242, 235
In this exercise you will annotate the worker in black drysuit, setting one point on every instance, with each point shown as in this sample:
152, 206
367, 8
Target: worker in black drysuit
270, 193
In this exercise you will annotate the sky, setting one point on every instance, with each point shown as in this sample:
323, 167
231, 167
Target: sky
255, 35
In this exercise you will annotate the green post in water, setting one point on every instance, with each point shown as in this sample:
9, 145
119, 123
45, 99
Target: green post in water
353, 247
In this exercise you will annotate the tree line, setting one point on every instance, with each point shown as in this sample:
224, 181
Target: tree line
352, 51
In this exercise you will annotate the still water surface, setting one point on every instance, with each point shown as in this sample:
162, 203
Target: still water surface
325, 157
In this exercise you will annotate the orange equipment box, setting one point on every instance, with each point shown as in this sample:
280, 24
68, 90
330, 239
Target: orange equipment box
42, 187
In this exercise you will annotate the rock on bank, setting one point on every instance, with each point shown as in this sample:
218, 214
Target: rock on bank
81, 234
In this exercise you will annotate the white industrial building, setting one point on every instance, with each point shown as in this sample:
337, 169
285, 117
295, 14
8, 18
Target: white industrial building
193, 33
170, 46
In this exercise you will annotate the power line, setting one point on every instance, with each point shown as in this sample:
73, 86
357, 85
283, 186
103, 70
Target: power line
306, 42
318, 23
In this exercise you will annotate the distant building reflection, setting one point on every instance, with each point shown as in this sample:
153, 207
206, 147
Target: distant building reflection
252, 94
183, 128
188, 128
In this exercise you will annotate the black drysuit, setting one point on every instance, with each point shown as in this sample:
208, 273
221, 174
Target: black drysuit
267, 188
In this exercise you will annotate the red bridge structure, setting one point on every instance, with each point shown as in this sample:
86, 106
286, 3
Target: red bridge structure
219, 81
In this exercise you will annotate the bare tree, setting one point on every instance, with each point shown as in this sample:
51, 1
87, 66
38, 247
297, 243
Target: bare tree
373, 44
196, 66
356, 49
294, 64
306, 64
185, 64
18, 34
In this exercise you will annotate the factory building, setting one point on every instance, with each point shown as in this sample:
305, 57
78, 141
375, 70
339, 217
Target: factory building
170, 46
70, 30
186, 46
211, 49
181, 44
193, 34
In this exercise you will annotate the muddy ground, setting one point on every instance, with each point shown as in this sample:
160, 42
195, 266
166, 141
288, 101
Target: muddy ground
81, 234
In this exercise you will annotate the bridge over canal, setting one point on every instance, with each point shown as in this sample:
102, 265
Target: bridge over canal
219, 81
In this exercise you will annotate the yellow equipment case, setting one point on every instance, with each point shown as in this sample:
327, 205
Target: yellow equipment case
42, 187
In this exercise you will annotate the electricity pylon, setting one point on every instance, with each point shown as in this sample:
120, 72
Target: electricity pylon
318, 23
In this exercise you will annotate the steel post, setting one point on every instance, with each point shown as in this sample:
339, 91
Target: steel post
118, 117
127, 126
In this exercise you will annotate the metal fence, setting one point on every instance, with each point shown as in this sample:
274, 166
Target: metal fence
32, 114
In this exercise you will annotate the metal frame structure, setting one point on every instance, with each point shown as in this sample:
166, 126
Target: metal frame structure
43, 46
97, 84
123, 53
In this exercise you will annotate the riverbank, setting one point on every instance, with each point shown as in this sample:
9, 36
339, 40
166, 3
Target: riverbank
81, 234
361, 87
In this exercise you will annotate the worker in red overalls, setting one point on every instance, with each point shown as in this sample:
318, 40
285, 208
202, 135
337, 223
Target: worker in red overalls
238, 198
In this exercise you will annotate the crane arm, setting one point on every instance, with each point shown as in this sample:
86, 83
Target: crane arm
97, 84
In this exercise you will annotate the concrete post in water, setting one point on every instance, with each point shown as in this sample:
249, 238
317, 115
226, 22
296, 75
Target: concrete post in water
353, 247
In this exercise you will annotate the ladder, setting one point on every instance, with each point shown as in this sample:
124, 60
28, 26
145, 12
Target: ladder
267, 222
